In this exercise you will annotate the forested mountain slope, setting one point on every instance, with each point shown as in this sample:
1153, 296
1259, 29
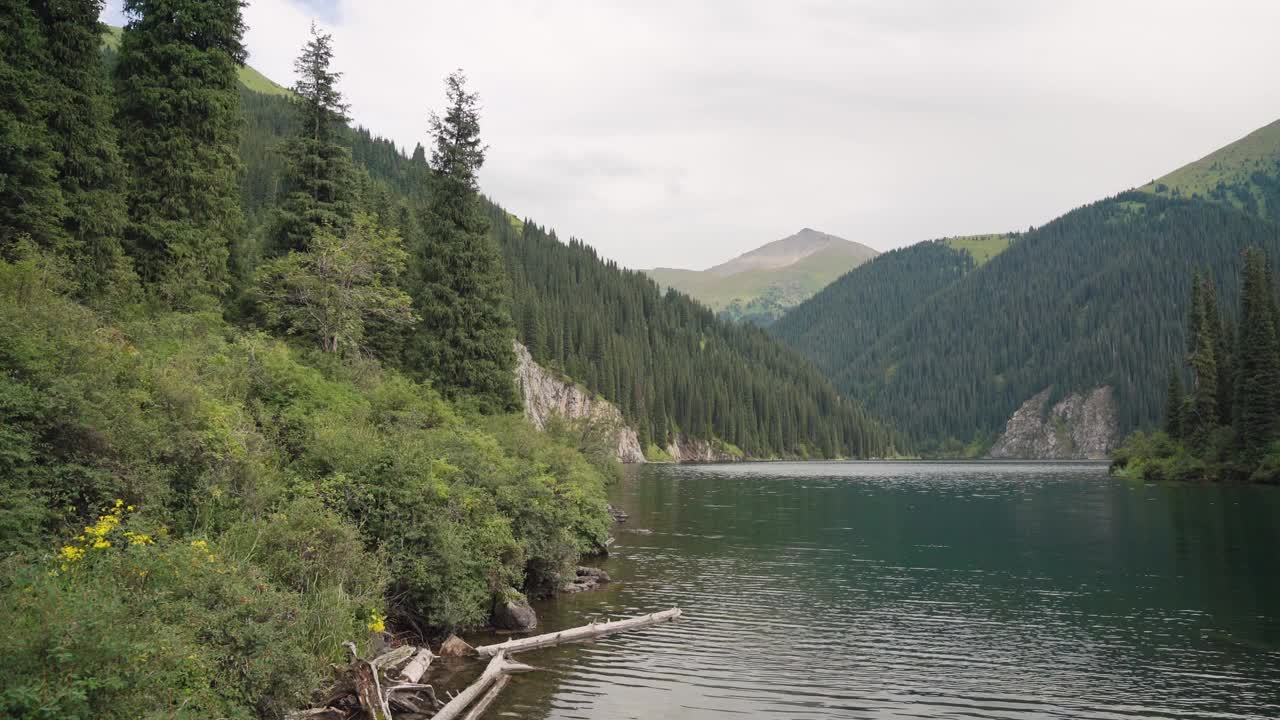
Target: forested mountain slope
666, 361
841, 324
949, 351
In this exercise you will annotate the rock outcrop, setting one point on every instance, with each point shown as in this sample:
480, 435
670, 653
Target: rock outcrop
1078, 427
586, 578
685, 449
513, 613
547, 394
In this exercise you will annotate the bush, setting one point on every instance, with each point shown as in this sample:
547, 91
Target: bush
289, 497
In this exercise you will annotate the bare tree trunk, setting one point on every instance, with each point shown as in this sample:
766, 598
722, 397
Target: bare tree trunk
417, 667
498, 667
585, 632
483, 703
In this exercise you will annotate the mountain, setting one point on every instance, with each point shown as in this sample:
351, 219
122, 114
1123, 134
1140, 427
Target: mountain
761, 285
1244, 174
679, 374
950, 347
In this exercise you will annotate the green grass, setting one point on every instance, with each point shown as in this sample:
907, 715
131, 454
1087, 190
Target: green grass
1233, 164
249, 77
980, 247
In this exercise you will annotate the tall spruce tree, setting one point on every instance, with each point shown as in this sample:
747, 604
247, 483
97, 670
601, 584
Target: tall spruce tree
464, 341
180, 123
1257, 364
31, 201
90, 169
1175, 403
319, 176
1203, 415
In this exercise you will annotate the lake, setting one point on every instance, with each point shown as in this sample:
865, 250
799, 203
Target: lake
923, 590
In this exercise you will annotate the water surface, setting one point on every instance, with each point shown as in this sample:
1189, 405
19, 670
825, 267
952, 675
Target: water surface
924, 590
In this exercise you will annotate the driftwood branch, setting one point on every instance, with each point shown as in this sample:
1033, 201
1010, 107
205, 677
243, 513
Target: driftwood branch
585, 632
484, 702
498, 667
376, 687
417, 667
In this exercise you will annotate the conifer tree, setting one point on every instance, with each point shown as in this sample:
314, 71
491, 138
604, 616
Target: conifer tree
319, 175
90, 169
1203, 361
464, 342
31, 201
1258, 365
179, 119
1174, 403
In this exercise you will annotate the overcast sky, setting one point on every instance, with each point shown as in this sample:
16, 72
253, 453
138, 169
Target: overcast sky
681, 133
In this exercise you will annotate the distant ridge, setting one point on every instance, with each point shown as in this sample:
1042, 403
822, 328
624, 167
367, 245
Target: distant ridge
760, 285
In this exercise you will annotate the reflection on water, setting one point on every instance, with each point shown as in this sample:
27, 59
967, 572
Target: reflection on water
924, 590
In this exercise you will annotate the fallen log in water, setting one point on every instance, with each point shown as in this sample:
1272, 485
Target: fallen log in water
584, 632
417, 667
483, 703
497, 668
373, 687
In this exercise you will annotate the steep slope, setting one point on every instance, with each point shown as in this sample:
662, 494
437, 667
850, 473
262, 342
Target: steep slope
843, 322
1087, 304
1244, 174
680, 376
761, 285
1095, 298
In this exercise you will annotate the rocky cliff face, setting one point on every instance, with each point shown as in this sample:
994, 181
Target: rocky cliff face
1078, 427
686, 449
546, 394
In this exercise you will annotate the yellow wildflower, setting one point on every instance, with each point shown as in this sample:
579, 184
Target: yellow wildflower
71, 553
377, 623
101, 544
139, 538
200, 545
131, 508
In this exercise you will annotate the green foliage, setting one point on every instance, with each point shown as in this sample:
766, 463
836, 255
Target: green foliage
290, 495
1199, 442
464, 343
31, 201
90, 171
1057, 308
180, 124
331, 291
318, 175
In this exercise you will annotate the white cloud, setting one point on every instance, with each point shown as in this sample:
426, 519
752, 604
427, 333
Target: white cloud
682, 133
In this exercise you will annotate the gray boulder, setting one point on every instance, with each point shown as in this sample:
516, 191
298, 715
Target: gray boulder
513, 613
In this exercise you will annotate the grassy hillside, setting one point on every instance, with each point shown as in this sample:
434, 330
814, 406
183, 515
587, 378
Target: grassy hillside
762, 285
1243, 174
249, 77
980, 247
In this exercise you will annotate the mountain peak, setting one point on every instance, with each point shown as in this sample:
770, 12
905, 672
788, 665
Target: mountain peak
788, 251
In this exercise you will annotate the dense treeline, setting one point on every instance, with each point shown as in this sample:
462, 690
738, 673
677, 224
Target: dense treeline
837, 327
1227, 425
219, 455
1095, 297
669, 363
